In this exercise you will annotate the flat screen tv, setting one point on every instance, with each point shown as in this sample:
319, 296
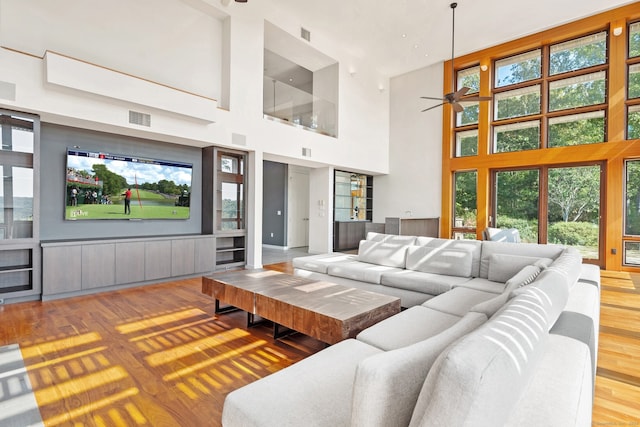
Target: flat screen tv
113, 186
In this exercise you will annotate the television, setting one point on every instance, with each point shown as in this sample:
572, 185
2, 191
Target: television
98, 185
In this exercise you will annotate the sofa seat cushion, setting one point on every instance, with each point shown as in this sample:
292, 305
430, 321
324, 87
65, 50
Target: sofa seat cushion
407, 327
444, 260
313, 392
362, 271
382, 253
428, 283
483, 285
478, 379
458, 301
387, 384
521, 249
320, 262
560, 392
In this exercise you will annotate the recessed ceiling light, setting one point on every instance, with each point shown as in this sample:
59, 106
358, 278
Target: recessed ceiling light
404, 36
290, 79
415, 46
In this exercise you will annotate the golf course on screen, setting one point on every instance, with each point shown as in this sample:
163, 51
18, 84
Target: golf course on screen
150, 205
97, 184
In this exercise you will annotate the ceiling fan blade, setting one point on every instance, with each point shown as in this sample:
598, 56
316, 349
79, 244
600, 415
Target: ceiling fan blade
435, 106
475, 98
460, 93
430, 97
457, 107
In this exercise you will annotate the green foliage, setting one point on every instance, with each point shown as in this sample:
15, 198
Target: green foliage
112, 182
576, 58
468, 146
519, 105
527, 138
574, 194
632, 220
633, 125
573, 233
518, 193
586, 131
528, 229
577, 95
466, 197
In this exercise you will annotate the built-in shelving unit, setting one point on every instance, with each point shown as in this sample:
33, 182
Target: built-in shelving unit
20, 278
16, 270
353, 208
224, 195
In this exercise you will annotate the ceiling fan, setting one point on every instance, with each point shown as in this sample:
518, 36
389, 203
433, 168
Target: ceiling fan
454, 98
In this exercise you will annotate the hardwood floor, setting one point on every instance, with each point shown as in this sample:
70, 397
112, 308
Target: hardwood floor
158, 356
617, 393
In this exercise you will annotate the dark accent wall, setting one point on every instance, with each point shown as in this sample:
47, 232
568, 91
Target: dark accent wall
274, 199
55, 140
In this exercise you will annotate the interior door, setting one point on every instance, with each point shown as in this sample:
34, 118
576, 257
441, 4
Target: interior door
298, 209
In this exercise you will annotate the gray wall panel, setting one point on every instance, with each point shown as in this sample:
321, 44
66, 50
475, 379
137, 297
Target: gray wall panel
54, 143
274, 200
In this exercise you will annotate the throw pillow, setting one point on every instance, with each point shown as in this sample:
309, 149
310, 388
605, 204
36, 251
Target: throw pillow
524, 277
503, 267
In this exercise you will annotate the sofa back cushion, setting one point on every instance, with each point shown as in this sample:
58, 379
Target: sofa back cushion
522, 249
569, 263
382, 253
473, 246
443, 260
551, 289
387, 385
477, 380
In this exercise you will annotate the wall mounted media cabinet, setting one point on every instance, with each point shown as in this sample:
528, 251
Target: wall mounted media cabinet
76, 268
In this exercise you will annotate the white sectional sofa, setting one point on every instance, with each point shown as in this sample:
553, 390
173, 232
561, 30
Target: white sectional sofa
493, 334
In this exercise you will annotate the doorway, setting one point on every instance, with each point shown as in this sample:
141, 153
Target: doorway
298, 207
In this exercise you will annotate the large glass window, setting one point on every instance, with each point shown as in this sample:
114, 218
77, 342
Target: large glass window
588, 89
578, 53
517, 103
518, 68
516, 137
586, 128
633, 83
467, 143
465, 202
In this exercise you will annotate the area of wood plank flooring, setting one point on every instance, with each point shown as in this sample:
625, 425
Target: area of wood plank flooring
158, 355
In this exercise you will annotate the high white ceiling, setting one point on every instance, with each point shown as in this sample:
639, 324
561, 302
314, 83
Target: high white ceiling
372, 30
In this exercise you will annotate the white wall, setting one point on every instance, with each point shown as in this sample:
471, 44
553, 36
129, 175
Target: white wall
194, 46
415, 154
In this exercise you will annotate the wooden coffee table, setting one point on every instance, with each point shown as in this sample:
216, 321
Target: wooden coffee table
326, 311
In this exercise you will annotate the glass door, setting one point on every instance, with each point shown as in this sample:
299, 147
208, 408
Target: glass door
573, 212
516, 202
